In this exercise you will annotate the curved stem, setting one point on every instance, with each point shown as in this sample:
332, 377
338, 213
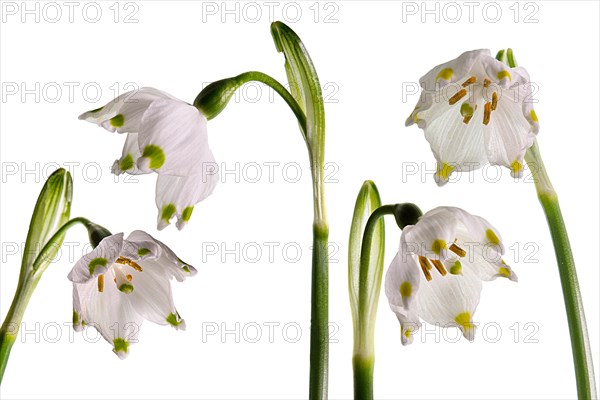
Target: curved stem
25, 288
363, 359
280, 89
580, 345
55, 239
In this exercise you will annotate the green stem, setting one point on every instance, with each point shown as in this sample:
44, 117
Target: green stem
280, 89
319, 318
363, 359
582, 356
12, 322
25, 288
363, 377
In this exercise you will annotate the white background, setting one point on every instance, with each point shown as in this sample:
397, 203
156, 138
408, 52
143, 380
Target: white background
365, 53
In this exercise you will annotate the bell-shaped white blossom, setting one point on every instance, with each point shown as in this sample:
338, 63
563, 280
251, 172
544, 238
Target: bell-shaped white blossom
438, 271
476, 110
123, 282
169, 137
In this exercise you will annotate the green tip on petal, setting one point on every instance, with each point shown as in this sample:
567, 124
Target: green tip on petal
117, 121
492, 237
187, 213
121, 347
175, 321
167, 212
143, 251
99, 261
406, 289
438, 245
466, 325
76, 318
155, 154
445, 74
126, 163
96, 110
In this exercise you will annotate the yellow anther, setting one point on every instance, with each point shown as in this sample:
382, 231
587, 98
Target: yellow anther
101, 283
457, 250
439, 266
129, 277
127, 261
486, 82
425, 267
487, 113
459, 95
469, 81
494, 101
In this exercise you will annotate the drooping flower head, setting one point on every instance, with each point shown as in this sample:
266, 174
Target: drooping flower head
454, 251
124, 281
476, 110
167, 136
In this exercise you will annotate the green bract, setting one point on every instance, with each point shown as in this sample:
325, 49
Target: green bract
51, 211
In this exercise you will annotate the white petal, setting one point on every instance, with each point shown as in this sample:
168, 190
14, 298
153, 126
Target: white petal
456, 146
451, 301
510, 134
131, 152
78, 322
479, 231
177, 195
402, 281
173, 265
172, 138
124, 113
453, 71
409, 324
433, 101
98, 261
137, 250
152, 297
432, 234
487, 268
110, 313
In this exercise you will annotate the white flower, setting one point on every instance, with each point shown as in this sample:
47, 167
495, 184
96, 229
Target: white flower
450, 240
124, 281
167, 136
474, 110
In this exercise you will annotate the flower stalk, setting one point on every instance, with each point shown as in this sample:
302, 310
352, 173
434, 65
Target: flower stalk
305, 99
51, 210
580, 344
365, 270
